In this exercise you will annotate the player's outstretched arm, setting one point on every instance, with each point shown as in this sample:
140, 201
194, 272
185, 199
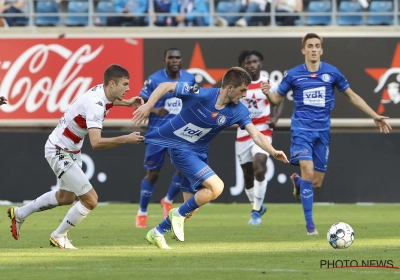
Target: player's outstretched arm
264, 144
100, 143
142, 113
380, 121
136, 102
273, 98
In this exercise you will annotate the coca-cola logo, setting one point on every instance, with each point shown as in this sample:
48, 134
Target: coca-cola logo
41, 78
45, 90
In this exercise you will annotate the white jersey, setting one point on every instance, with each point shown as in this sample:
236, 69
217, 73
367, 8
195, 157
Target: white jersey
87, 111
259, 108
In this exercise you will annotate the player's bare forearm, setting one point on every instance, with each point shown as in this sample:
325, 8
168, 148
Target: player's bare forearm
100, 143
159, 92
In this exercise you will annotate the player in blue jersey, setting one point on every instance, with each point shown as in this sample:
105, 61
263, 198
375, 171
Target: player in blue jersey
164, 110
313, 85
205, 112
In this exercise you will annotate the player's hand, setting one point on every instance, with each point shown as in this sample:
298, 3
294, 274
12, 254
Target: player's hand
3, 100
161, 111
279, 155
265, 87
141, 114
272, 122
135, 102
135, 138
383, 125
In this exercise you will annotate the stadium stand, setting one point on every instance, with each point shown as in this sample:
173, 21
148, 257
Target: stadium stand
353, 8
319, 7
380, 19
75, 11
47, 7
104, 7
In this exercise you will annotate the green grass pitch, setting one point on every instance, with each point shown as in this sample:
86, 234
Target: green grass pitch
218, 245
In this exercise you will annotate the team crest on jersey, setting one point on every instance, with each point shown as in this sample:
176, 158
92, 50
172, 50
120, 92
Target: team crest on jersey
214, 115
326, 77
195, 89
221, 120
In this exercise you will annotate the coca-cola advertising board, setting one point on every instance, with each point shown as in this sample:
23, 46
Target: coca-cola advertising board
41, 77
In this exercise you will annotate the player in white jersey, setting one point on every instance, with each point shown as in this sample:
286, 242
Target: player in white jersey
253, 159
63, 153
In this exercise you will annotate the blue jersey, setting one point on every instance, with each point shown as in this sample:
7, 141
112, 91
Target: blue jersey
313, 95
198, 122
168, 101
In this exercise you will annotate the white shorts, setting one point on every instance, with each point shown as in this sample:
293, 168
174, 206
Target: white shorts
246, 150
68, 168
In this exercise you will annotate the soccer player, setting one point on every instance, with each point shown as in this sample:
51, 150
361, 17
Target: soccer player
252, 158
164, 110
63, 153
313, 86
206, 111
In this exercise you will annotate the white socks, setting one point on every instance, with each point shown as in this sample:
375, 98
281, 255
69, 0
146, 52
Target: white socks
250, 195
260, 188
74, 216
42, 203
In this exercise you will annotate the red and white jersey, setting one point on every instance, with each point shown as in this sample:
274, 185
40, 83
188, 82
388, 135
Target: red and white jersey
259, 108
87, 111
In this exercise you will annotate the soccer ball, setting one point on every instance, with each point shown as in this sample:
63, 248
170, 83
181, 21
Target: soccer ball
340, 235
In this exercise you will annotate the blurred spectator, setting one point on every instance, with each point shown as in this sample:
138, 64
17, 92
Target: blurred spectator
240, 6
190, 8
129, 11
163, 7
291, 7
15, 7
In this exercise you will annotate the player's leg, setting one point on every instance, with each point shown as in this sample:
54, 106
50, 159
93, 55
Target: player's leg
59, 161
245, 158
153, 162
260, 187
307, 194
74, 181
302, 154
173, 190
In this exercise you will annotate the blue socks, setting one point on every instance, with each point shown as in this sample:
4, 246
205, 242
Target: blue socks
175, 187
307, 200
164, 226
145, 194
188, 207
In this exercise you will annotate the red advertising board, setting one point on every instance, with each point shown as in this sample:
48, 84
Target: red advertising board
41, 77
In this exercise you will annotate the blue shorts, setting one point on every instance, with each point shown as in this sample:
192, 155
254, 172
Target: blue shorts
194, 168
310, 145
154, 157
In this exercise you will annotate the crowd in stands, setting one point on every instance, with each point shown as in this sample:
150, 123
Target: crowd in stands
197, 12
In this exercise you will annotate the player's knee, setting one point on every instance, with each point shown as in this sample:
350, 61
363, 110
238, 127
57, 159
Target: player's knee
317, 185
152, 176
259, 175
89, 200
217, 188
65, 198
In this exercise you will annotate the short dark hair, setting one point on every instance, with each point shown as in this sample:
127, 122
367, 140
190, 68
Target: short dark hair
310, 36
170, 49
114, 72
246, 53
236, 76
